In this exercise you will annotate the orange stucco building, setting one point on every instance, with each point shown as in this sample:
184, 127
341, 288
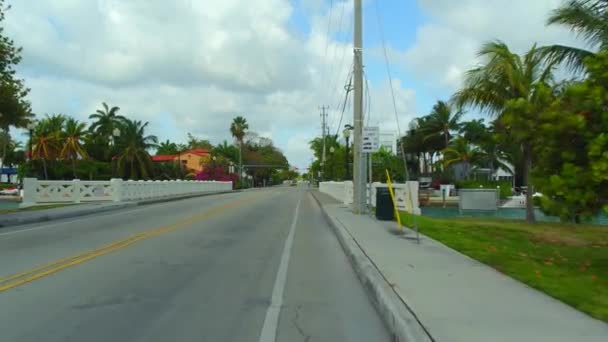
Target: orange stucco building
193, 160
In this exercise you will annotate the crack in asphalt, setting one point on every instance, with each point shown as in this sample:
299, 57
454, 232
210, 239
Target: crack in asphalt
297, 326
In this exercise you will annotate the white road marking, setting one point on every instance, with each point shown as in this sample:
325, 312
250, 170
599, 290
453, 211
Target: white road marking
271, 322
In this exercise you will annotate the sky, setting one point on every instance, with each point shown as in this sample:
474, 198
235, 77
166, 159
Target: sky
191, 66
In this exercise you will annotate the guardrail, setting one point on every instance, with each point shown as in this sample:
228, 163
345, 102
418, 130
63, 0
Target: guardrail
406, 195
116, 190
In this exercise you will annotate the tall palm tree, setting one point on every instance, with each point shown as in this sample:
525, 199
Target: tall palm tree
464, 153
73, 142
167, 147
506, 78
238, 129
134, 161
441, 121
46, 140
589, 20
105, 120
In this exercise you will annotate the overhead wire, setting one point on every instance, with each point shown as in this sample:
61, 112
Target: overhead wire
327, 65
390, 80
368, 101
348, 89
335, 76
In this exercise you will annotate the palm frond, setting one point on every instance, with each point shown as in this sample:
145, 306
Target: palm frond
587, 19
573, 58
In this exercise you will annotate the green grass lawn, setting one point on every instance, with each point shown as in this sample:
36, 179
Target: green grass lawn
34, 208
568, 262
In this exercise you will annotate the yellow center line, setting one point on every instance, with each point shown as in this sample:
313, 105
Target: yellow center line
58, 265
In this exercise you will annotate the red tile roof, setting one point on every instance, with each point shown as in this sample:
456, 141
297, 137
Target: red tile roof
201, 152
163, 158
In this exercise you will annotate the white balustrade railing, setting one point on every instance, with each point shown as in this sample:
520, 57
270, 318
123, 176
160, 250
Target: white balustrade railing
406, 195
116, 190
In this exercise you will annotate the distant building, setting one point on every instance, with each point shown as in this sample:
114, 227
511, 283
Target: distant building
388, 140
193, 160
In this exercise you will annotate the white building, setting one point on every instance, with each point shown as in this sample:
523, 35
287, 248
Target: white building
388, 140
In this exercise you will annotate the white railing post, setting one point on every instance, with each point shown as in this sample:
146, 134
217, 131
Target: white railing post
76, 191
29, 191
116, 189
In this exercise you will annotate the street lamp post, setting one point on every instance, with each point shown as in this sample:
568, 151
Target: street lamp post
115, 134
346, 133
30, 127
333, 167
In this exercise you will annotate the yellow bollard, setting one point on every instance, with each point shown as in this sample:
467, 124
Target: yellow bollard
390, 190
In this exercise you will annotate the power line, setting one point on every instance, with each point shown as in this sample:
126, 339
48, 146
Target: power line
327, 36
340, 71
368, 100
390, 80
348, 89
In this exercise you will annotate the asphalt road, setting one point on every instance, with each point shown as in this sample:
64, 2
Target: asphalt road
252, 266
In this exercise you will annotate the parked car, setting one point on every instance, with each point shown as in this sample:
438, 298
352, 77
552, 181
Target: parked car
10, 191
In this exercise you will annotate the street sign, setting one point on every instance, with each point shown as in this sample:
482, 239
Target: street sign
371, 139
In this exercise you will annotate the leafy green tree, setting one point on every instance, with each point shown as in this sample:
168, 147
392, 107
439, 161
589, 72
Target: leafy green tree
571, 168
442, 121
238, 129
46, 140
167, 148
14, 108
475, 132
463, 153
417, 141
194, 143
229, 152
73, 142
508, 83
384, 160
589, 20
134, 160
105, 121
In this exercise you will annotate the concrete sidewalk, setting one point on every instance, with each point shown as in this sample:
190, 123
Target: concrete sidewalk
456, 298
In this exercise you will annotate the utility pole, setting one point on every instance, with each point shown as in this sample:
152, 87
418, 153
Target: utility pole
323, 125
360, 174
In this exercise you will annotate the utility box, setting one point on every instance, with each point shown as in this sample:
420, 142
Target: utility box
385, 210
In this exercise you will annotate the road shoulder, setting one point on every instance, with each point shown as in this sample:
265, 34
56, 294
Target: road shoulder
456, 297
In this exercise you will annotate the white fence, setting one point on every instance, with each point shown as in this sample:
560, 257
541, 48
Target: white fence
406, 195
116, 190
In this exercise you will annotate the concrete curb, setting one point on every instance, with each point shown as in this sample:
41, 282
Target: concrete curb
401, 322
9, 221
51, 216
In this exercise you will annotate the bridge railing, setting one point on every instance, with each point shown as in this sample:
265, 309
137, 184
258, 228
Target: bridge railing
115, 190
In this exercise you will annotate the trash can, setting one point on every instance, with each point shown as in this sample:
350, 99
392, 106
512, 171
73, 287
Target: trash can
384, 205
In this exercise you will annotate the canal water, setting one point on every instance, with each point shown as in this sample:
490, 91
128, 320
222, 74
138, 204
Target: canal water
505, 213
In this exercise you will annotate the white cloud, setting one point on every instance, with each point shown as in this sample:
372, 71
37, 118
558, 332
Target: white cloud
446, 46
191, 66
183, 65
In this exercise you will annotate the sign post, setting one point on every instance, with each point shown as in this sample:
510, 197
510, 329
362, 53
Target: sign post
371, 144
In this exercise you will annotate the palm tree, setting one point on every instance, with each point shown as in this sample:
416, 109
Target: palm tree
73, 142
238, 129
134, 161
441, 121
589, 20
226, 150
46, 140
507, 78
167, 148
105, 120
464, 153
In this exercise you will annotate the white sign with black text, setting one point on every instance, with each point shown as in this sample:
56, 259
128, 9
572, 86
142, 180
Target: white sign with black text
371, 139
